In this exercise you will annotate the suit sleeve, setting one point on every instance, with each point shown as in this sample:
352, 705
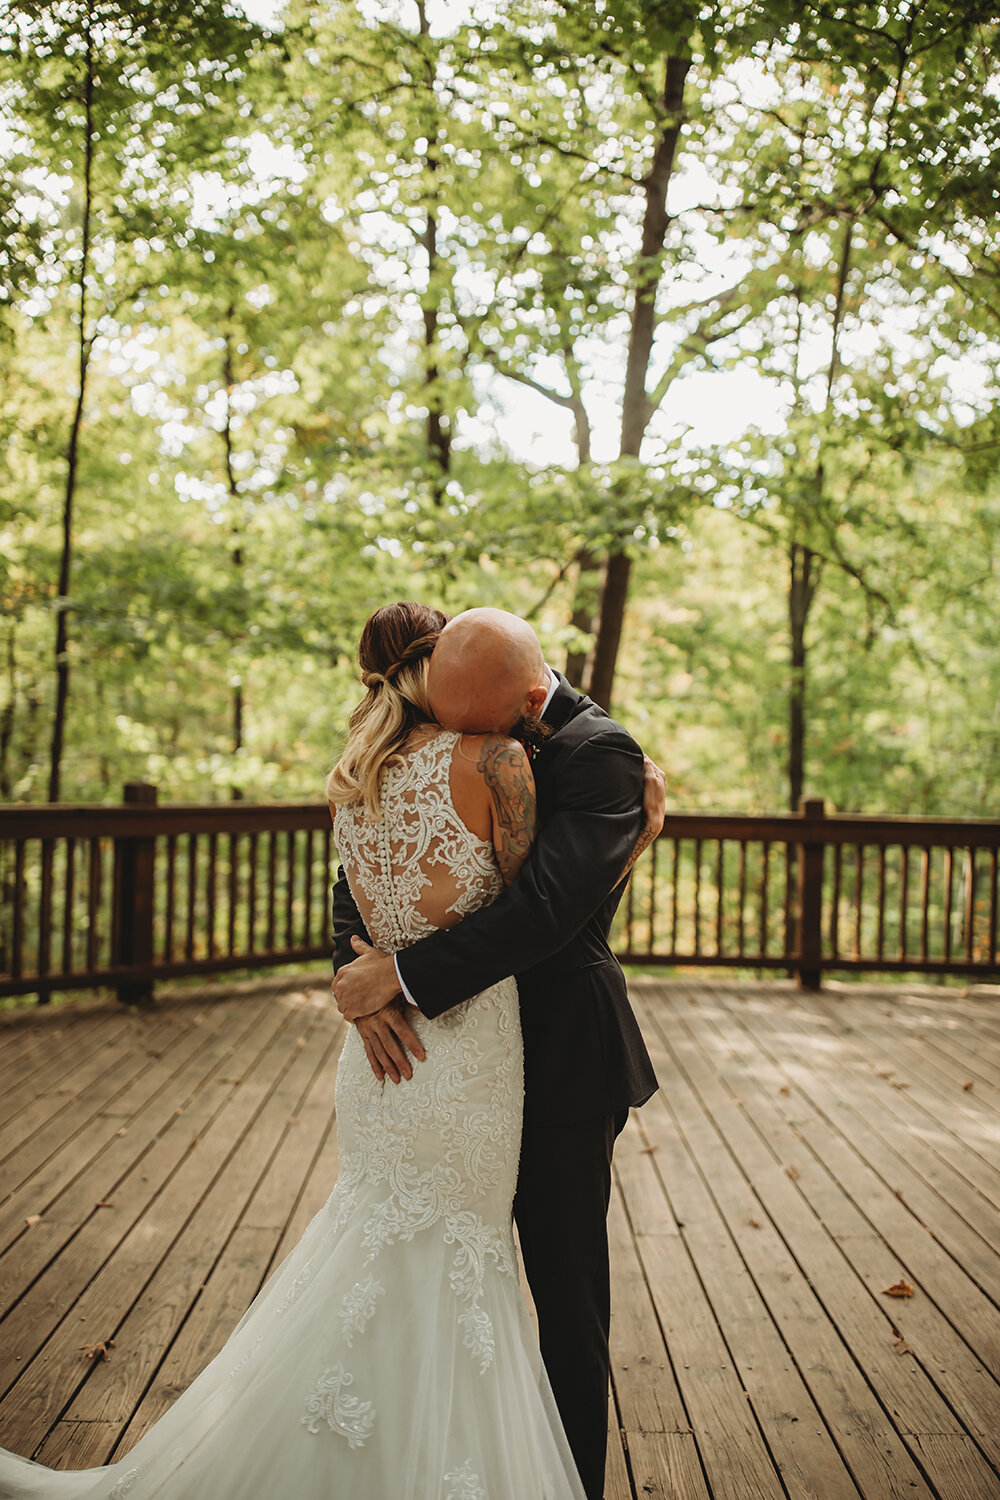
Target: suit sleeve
347, 922
576, 859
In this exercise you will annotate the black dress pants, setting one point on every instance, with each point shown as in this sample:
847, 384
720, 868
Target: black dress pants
561, 1209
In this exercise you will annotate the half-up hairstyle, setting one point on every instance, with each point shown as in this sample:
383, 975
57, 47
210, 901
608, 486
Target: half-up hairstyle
393, 654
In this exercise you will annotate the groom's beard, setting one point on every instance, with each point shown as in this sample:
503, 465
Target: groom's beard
531, 732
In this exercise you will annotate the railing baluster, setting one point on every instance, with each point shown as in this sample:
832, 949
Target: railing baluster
168, 918
880, 940
719, 887
307, 892
272, 882
838, 858
652, 893
925, 897
765, 858
859, 896
17, 932
233, 894
252, 894
192, 893
290, 891
697, 895
68, 893
93, 901
213, 844
673, 902
741, 900
949, 861
904, 891
991, 953
970, 904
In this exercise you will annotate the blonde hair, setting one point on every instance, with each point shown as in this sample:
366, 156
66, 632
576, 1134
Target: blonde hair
393, 654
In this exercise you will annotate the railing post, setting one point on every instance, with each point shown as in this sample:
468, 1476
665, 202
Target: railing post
134, 857
809, 935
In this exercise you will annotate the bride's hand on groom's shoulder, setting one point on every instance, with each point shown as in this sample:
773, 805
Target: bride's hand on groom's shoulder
388, 1037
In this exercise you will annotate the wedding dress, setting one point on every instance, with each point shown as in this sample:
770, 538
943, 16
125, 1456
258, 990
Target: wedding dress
391, 1356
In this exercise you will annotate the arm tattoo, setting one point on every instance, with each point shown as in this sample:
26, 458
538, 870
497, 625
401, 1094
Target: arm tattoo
504, 767
642, 843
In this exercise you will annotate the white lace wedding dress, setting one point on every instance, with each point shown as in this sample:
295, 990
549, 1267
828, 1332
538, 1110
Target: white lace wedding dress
391, 1356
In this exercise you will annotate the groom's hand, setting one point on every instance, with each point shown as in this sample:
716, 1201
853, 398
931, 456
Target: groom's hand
366, 985
387, 1035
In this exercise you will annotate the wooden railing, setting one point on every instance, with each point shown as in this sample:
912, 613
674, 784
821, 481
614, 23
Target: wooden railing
122, 896
814, 893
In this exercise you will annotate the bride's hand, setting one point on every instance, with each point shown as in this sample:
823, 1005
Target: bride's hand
387, 1035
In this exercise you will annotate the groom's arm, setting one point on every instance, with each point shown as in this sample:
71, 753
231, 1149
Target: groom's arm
576, 860
347, 922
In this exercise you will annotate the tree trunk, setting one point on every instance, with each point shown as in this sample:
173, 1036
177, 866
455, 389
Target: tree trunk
585, 595
438, 427
9, 716
585, 598
801, 585
805, 568
236, 528
635, 404
72, 451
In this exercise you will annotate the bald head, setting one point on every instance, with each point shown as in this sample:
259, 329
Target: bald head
486, 671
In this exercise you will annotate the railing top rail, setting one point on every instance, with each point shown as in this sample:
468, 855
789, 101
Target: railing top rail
837, 828
63, 820
69, 820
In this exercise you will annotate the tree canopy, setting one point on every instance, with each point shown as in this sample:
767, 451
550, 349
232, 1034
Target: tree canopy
673, 327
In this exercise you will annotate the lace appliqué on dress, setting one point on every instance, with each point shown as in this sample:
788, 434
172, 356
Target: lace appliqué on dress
465, 1484
124, 1484
358, 1306
352, 1418
462, 1187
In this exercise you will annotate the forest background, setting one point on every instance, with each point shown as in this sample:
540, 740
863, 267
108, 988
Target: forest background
672, 327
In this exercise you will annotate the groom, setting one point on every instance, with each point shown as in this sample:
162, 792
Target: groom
584, 1059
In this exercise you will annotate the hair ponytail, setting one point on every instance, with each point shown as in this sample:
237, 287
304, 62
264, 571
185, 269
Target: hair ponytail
393, 654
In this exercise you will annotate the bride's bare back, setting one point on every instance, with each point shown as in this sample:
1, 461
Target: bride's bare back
457, 819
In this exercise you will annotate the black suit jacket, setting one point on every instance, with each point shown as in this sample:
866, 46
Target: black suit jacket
583, 1052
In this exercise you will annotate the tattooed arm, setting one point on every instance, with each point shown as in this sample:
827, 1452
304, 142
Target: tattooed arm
504, 767
654, 804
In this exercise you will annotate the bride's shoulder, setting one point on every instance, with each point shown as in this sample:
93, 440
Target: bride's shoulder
498, 761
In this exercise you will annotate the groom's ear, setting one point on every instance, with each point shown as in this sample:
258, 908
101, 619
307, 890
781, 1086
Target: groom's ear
533, 702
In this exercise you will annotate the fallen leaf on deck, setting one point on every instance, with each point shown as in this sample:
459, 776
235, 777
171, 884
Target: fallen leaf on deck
784, 1089
898, 1289
793, 1173
754, 1223
899, 1195
902, 1347
104, 1203
33, 1219
967, 1084
97, 1351
898, 1083
647, 1149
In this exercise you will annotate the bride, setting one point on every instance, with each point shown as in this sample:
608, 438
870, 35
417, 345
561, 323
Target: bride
391, 1356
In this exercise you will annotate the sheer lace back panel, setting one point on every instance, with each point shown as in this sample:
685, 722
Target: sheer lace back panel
417, 867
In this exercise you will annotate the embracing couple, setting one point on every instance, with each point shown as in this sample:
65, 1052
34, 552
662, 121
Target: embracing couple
391, 1356
486, 816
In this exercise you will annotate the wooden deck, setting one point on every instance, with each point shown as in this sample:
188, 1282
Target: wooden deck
804, 1155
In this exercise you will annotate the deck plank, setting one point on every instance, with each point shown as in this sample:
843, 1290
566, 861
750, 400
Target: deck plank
754, 1353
